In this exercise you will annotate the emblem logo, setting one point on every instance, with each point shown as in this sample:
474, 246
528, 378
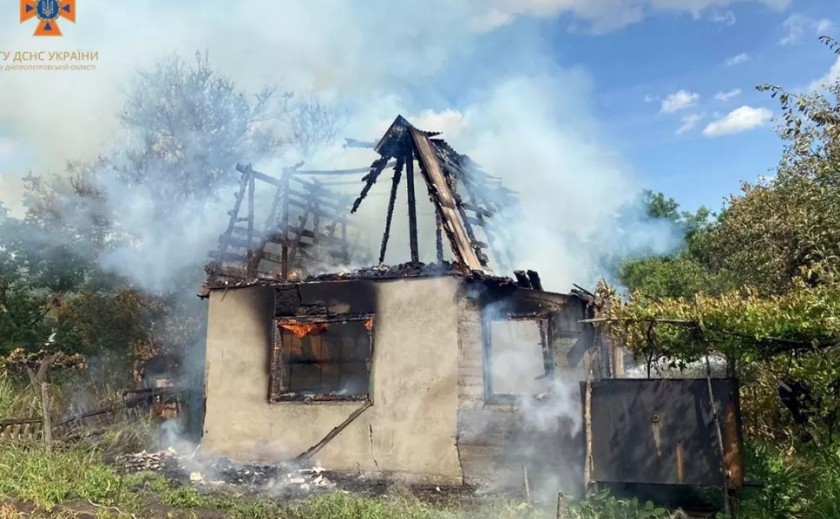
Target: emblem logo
48, 12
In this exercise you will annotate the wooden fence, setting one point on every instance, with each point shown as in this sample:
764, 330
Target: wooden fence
140, 404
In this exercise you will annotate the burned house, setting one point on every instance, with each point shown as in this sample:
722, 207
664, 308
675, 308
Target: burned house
442, 373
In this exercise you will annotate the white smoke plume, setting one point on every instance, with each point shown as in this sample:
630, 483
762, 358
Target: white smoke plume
510, 107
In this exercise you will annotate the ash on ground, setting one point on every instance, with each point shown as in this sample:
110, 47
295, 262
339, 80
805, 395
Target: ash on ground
282, 480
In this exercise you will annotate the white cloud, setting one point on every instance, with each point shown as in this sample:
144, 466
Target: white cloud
723, 18
606, 15
797, 25
679, 100
824, 26
649, 98
688, 123
737, 59
739, 120
832, 76
729, 94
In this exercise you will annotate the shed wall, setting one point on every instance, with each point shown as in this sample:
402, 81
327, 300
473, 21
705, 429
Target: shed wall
409, 432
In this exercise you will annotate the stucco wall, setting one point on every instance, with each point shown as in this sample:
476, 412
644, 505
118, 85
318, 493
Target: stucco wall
409, 432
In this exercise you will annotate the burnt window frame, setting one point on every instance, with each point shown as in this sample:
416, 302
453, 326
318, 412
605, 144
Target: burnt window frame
546, 328
276, 384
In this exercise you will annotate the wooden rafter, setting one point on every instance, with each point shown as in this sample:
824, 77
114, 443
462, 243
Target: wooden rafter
451, 219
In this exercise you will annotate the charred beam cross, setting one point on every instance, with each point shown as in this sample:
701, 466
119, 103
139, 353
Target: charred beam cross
303, 214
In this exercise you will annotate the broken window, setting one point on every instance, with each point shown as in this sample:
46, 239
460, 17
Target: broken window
321, 359
517, 358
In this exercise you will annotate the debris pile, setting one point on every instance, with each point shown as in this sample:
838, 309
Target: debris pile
161, 461
272, 476
393, 271
291, 480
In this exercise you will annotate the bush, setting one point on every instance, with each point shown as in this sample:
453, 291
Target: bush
605, 506
796, 485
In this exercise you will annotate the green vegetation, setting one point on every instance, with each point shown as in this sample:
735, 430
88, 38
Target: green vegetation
760, 284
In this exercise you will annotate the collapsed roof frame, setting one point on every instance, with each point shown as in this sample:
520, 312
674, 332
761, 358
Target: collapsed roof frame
444, 171
321, 220
465, 199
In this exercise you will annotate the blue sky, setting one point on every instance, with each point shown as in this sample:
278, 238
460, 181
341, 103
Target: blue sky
667, 54
724, 54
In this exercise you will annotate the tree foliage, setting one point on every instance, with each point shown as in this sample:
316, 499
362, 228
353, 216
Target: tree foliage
184, 128
760, 282
681, 274
191, 126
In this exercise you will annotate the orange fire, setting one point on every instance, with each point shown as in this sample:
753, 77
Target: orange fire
302, 329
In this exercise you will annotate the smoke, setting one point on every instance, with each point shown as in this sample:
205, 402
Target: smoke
544, 421
578, 201
495, 90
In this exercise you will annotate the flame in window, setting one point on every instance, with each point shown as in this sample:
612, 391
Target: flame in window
302, 329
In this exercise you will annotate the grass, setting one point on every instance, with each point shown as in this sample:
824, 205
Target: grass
46, 481
75, 481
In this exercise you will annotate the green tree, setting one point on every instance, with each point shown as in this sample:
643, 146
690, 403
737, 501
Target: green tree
680, 274
777, 246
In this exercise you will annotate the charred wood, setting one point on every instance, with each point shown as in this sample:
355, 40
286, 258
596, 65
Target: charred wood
452, 219
337, 172
438, 237
412, 206
522, 279
391, 201
535, 280
370, 179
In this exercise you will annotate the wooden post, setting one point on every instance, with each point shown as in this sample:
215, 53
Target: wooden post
252, 268
561, 505
719, 433
45, 404
284, 225
587, 428
439, 238
412, 206
39, 380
